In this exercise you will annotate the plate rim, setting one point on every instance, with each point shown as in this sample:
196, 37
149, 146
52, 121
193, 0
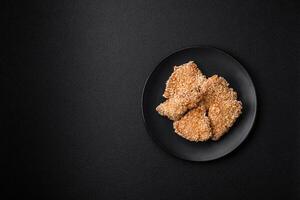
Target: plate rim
239, 143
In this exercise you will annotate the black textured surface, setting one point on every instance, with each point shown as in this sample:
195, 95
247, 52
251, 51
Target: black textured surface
72, 75
211, 61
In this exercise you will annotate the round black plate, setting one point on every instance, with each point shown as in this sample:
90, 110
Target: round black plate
211, 61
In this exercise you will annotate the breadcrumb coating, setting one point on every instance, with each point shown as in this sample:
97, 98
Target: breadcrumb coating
194, 125
222, 116
183, 91
175, 107
221, 102
184, 78
201, 108
217, 89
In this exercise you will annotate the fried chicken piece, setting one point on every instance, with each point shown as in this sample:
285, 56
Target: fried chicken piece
221, 102
222, 116
175, 107
194, 126
190, 96
184, 78
217, 89
183, 90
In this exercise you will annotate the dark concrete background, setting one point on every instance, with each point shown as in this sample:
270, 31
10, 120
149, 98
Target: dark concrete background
73, 73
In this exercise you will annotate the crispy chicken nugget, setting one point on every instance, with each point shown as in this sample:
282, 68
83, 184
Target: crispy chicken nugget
184, 78
194, 125
222, 116
175, 107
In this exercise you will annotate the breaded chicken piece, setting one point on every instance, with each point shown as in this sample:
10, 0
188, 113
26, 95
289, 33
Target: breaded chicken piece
222, 116
194, 125
217, 89
184, 78
222, 105
190, 96
175, 107
183, 90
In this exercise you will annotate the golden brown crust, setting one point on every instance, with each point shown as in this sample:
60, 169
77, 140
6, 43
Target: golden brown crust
183, 90
184, 78
221, 102
175, 107
217, 89
172, 108
194, 125
222, 116
190, 96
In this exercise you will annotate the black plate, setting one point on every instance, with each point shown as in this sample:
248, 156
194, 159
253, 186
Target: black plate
211, 61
